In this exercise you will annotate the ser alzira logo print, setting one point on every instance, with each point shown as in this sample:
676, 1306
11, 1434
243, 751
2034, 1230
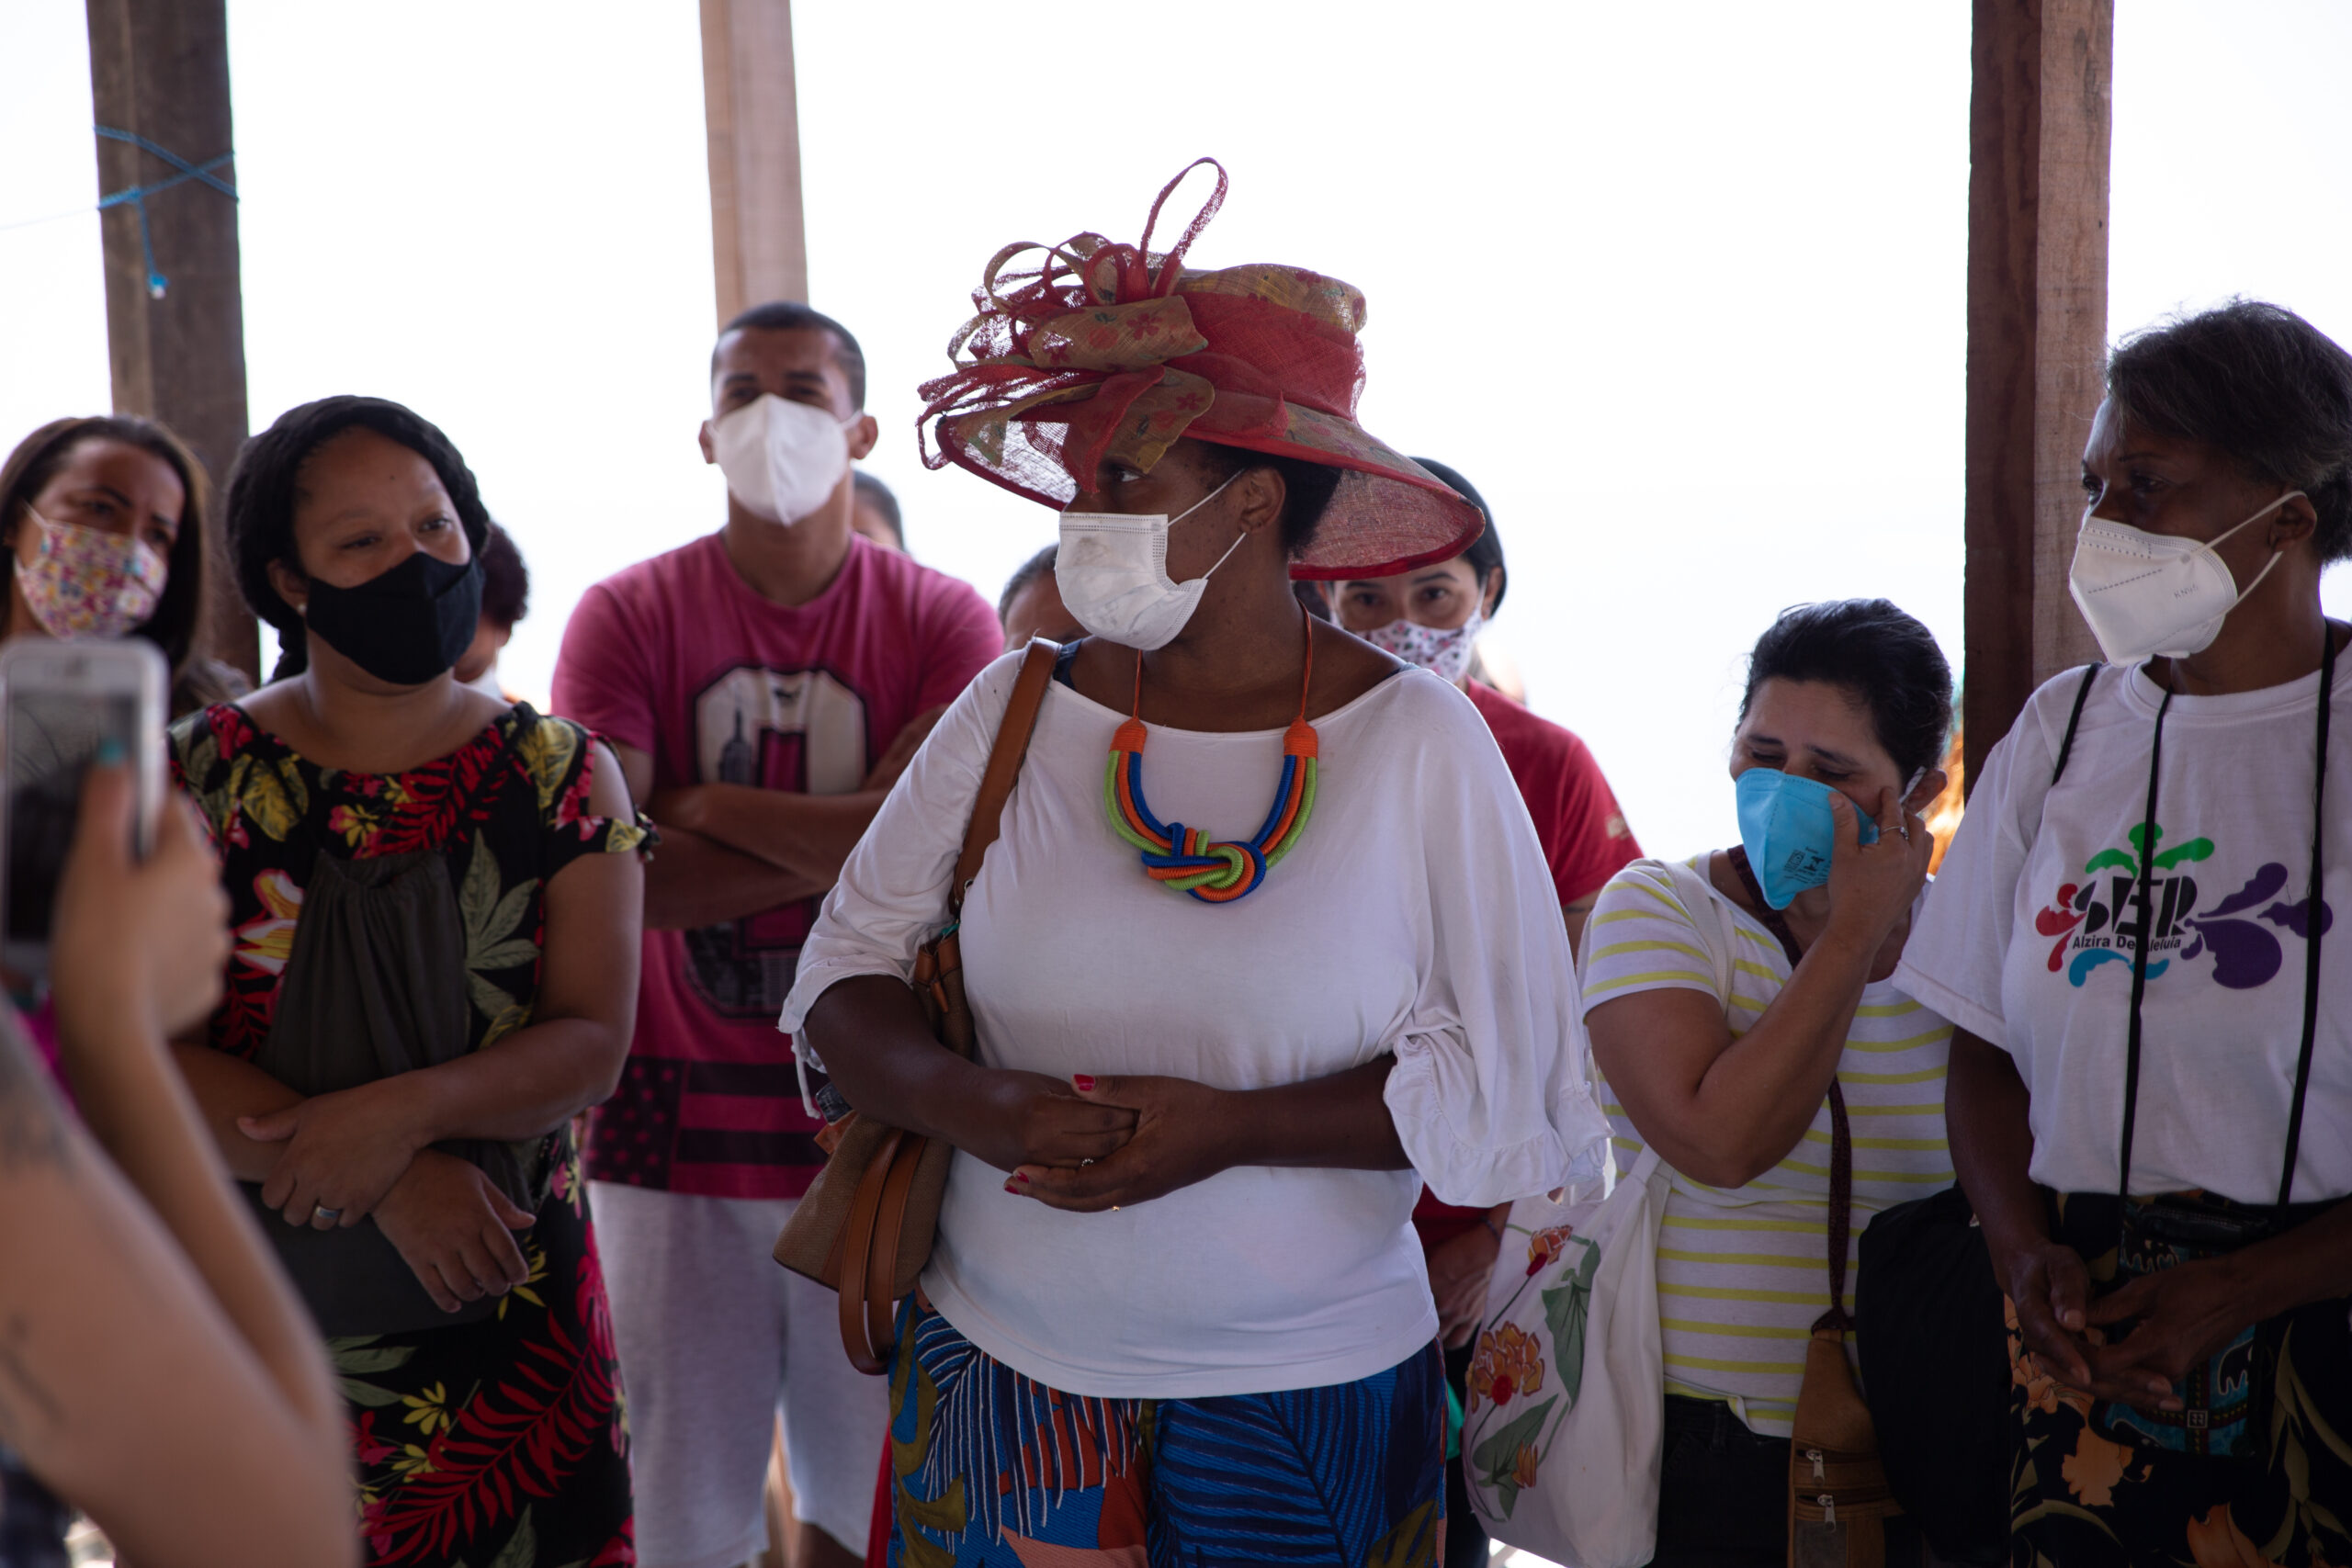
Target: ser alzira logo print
2097, 920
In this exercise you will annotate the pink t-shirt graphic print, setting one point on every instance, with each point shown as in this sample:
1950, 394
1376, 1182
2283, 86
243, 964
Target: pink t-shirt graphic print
803, 731
678, 658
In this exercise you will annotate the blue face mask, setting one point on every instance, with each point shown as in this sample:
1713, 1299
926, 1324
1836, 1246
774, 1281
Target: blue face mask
1786, 826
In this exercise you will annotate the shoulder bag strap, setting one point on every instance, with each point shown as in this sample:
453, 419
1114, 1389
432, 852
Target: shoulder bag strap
1003, 767
1841, 1134
871, 1235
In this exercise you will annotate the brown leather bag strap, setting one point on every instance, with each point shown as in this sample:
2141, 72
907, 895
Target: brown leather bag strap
882, 1266
1841, 1211
878, 1211
857, 1245
1004, 766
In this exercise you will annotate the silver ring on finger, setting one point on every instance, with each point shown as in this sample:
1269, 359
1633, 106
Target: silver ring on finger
1084, 1162
324, 1217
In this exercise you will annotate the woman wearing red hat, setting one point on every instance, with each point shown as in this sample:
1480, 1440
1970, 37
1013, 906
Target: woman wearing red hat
1176, 1305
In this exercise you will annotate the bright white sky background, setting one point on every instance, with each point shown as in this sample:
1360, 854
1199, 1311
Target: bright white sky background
1680, 288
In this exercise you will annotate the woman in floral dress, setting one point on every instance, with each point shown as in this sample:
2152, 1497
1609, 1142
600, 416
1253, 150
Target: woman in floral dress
496, 1437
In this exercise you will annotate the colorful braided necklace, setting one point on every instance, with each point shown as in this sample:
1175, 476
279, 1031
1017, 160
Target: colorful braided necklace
1183, 859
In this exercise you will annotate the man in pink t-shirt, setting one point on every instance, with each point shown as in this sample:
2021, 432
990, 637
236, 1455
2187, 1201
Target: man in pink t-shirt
763, 688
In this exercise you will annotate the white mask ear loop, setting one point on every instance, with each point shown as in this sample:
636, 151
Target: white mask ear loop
1238, 473
1228, 555
2241, 527
1203, 502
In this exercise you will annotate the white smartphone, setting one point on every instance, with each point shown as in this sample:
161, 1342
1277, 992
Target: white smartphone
60, 702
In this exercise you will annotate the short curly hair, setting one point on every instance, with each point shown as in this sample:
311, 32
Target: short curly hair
505, 580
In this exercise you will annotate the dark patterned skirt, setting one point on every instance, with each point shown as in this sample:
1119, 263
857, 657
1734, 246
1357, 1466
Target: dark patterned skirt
2082, 1500
505, 1441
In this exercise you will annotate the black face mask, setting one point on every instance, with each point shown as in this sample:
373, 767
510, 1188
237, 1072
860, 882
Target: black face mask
404, 626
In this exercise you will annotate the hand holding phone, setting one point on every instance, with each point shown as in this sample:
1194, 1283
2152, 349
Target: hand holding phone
151, 936
60, 704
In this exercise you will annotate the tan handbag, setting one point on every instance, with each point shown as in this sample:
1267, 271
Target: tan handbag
867, 1223
1838, 1498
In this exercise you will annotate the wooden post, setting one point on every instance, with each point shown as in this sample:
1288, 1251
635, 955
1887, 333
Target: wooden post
2037, 339
158, 71
759, 248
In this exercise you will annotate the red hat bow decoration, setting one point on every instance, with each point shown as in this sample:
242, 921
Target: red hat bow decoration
1106, 351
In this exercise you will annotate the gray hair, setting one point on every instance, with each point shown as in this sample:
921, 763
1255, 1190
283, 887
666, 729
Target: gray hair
2262, 384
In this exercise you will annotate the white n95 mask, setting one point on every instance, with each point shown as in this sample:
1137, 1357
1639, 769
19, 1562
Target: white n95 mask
781, 458
1113, 572
2156, 593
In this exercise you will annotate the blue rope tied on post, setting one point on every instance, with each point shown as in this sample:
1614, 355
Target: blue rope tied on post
136, 196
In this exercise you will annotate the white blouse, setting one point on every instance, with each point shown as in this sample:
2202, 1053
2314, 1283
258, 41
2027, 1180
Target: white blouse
1415, 917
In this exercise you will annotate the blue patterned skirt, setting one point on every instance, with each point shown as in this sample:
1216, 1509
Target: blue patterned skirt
988, 1466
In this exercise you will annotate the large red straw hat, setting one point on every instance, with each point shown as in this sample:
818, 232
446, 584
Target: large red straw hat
1110, 351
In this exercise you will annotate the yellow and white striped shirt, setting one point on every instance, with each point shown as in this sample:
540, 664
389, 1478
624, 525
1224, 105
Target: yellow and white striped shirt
1743, 1272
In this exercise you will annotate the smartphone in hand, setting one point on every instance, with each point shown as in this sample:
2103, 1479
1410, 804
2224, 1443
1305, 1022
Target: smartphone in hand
61, 703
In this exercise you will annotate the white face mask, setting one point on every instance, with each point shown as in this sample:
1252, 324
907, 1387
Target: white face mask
1444, 653
1113, 572
781, 459
2155, 594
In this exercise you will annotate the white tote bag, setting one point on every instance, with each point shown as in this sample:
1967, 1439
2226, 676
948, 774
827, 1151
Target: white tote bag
1564, 1426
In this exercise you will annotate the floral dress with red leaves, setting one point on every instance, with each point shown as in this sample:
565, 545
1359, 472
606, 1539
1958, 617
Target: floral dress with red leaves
501, 1443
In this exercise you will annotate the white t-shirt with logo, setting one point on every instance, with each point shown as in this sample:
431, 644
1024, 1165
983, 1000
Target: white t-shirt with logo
2028, 940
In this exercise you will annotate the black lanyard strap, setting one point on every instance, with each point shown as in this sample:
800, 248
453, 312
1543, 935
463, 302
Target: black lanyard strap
2074, 722
2140, 902
2315, 915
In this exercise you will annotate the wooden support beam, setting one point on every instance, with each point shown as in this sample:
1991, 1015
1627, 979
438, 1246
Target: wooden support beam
759, 248
158, 71
2037, 339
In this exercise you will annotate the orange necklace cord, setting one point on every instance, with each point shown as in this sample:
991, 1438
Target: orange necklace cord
1185, 859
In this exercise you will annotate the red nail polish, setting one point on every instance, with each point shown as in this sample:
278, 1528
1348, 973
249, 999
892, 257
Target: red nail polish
1022, 1177
1085, 1082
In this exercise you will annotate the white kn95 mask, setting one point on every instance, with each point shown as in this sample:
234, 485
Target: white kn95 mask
2146, 594
781, 458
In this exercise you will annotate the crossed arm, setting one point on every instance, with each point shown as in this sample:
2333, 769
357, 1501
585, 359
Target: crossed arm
729, 851
367, 1151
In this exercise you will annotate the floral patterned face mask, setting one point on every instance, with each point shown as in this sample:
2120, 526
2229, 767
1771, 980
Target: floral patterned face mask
1442, 650
85, 582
